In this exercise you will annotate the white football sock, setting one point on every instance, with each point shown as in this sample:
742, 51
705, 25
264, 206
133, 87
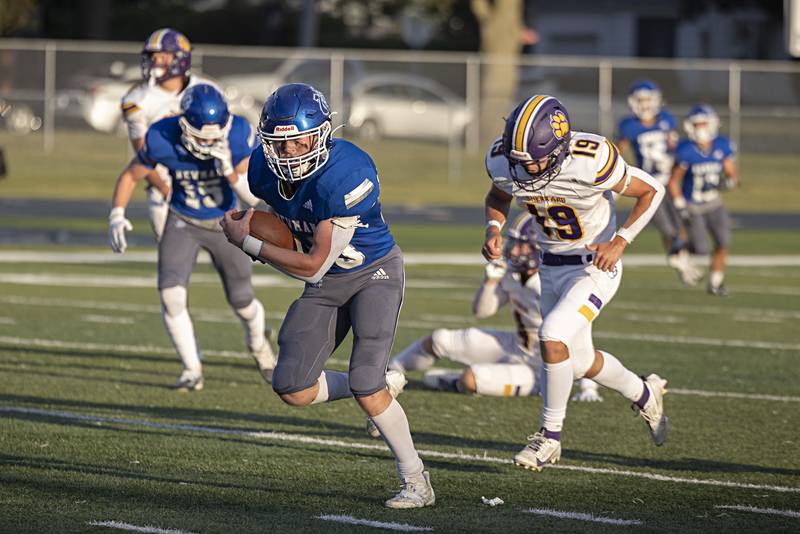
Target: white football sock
333, 385
556, 388
616, 376
252, 318
412, 358
395, 431
179, 327
716, 278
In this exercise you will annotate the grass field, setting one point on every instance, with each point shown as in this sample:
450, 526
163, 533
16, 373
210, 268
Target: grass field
86, 165
90, 432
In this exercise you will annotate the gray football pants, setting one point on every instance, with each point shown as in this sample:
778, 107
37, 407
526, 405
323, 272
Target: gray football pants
716, 222
177, 253
368, 302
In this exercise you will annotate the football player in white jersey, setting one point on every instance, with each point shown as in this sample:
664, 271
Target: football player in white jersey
498, 363
566, 179
166, 60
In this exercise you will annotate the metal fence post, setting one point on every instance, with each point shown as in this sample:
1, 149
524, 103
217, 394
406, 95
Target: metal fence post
473, 98
735, 101
49, 96
337, 89
605, 117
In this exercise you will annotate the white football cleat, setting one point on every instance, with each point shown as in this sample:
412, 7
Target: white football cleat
395, 381
442, 379
416, 493
189, 381
653, 411
688, 273
539, 452
265, 360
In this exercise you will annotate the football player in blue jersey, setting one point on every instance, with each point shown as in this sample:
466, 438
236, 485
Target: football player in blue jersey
326, 190
704, 166
651, 133
206, 150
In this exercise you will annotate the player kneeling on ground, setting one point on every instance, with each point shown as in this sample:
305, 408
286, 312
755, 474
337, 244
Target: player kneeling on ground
498, 363
206, 150
327, 190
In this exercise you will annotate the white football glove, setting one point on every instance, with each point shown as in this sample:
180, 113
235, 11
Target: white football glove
495, 270
117, 225
221, 152
587, 395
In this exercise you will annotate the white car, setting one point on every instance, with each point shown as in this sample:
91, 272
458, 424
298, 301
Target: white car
405, 106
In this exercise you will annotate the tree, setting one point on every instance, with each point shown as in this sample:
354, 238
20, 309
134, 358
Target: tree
502, 32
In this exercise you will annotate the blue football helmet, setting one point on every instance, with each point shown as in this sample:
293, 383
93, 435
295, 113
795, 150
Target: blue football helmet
205, 120
166, 40
521, 259
644, 99
295, 111
537, 130
701, 124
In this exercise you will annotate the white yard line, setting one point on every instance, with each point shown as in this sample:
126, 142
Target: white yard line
583, 517
769, 511
353, 445
334, 362
133, 528
8, 320
350, 520
107, 319
411, 258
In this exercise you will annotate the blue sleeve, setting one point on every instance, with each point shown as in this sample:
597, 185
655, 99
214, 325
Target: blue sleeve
682, 152
727, 146
255, 174
670, 118
153, 149
356, 194
624, 129
242, 139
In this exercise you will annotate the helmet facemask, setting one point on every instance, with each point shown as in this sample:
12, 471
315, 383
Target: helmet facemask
645, 103
201, 142
702, 128
533, 182
294, 168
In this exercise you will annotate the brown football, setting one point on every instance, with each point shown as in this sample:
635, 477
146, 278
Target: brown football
269, 228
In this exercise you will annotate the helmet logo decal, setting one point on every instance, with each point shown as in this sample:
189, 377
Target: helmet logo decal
183, 43
320, 100
559, 124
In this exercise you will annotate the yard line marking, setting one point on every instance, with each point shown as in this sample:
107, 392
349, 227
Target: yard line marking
412, 258
732, 395
105, 319
127, 526
582, 517
333, 362
355, 445
350, 520
694, 340
8, 320
770, 511
149, 281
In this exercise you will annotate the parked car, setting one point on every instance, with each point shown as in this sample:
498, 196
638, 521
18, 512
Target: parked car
406, 106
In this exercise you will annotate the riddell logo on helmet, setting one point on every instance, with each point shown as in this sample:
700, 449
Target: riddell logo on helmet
289, 128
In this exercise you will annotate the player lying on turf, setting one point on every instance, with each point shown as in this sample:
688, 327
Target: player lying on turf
206, 150
327, 191
498, 363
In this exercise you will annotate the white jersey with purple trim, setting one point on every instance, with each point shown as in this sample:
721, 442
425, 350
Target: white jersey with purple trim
576, 208
523, 298
145, 104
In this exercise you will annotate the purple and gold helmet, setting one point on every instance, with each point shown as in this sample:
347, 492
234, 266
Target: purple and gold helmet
537, 129
166, 40
521, 231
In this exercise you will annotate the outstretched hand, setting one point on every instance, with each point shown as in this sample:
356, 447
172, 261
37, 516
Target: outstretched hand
493, 246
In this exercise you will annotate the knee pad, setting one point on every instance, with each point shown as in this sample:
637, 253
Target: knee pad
240, 295
173, 300
367, 379
505, 379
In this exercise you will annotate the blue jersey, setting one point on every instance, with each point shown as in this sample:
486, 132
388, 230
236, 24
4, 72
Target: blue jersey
198, 190
704, 170
347, 185
651, 143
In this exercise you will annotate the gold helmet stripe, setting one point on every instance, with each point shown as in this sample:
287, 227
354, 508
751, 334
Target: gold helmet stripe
524, 119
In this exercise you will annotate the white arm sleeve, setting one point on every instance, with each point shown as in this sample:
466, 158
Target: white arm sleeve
488, 299
242, 191
343, 230
630, 233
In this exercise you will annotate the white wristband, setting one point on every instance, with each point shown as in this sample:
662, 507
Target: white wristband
252, 246
625, 234
495, 223
679, 202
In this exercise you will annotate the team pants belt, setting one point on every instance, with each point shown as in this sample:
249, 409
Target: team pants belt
555, 260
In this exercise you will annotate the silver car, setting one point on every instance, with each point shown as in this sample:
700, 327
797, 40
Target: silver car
406, 106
